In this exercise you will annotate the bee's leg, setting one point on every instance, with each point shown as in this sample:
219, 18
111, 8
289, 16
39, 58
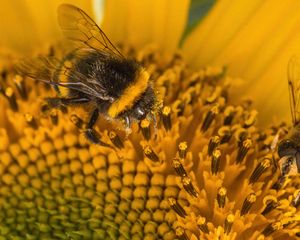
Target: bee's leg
285, 171
279, 183
152, 117
93, 119
57, 102
127, 125
92, 135
296, 200
57, 90
89, 132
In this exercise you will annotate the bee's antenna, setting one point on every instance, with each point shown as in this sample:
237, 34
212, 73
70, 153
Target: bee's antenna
285, 170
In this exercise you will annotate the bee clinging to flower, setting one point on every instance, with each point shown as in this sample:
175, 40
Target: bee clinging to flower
289, 148
95, 74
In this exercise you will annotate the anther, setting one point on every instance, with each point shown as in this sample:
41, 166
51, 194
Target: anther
202, 224
149, 153
188, 186
192, 97
11, 97
213, 143
54, 116
271, 204
215, 161
225, 134
179, 167
45, 108
63, 109
92, 135
259, 170
229, 115
213, 98
251, 119
3, 74
221, 197
279, 183
145, 128
243, 149
31, 120
181, 234
272, 227
20, 85
166, 118
250, 199
180, 107
241, 135
77, 121
228, 223
182, 149
210, 116
175, 205
2, 89
194, 79
51, 51
115, 139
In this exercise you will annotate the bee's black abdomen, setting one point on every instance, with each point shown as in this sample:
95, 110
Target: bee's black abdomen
113, 74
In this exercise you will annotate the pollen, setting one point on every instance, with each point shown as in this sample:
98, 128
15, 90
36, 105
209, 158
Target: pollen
200, 168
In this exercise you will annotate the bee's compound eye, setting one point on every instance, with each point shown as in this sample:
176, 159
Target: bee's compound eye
286, 148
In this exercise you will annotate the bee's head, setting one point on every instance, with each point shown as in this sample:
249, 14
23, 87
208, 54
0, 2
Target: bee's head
141, 108
287, 148
140, 113
144, 105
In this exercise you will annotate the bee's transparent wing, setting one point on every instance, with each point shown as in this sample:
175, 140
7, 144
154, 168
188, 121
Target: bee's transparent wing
39, 68
78, 26
294, 88
50, 70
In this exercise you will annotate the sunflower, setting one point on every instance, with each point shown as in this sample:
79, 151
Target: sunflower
205, 170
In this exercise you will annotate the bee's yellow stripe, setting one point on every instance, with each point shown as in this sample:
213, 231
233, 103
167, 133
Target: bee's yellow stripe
130, 95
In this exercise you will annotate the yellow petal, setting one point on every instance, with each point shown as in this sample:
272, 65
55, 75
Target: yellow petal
254, 39
27, 25
138, 22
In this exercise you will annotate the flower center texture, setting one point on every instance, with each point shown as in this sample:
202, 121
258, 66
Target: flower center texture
202, 170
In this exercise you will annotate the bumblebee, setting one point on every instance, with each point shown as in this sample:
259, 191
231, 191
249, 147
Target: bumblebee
94, 73
289, 148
